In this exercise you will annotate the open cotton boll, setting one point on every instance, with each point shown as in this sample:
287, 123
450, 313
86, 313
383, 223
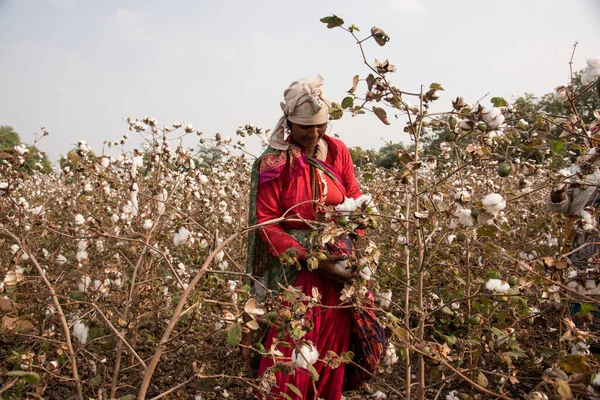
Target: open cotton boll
493, 117
80, 331
305, 355
366, 273
181, 236
363, 199
452, 395
379, 395
347, 206
385, 298
493, 203
497, 285
591, 71
464, 217
147, 224
560, 94
342, 266
79, 220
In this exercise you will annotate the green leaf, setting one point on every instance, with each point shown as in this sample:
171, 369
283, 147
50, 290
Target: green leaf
556, 146
587, 308
497, 332
516, 354
332, 21
29, 377
285, 396
313, 372
95, 381
368, 177
436, 86
336, 111
353, 28
234, 335
499, 102
295, 390
575, 363
487, 230
450, 339
347, 102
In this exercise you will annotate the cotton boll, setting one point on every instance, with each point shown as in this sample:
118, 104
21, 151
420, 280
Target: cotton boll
492, 116
390, 357
79, 220
379, 395
591, 71
181, 236
451, 238
464, 217
385, 298
147, 224
365, 273
560, 94
304, 355
80, 332
342, 266
452, 395
493, 203
497, 285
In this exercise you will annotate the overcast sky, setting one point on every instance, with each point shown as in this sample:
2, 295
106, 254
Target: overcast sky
79, 67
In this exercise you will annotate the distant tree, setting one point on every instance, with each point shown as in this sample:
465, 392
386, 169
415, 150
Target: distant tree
387, 156
361, 157
35, 159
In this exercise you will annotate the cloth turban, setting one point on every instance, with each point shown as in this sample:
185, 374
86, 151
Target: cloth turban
305, 104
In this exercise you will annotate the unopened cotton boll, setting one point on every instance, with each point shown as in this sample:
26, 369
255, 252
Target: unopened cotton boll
305, 355
493, 203
497, 285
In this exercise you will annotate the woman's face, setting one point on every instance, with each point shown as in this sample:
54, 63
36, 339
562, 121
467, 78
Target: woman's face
307, 136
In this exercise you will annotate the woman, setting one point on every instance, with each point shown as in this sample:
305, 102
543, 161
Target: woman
580, 202
296, 176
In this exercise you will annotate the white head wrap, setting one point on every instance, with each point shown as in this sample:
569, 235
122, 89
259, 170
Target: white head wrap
305, 104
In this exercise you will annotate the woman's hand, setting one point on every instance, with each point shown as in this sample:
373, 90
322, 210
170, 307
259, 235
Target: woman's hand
328, 270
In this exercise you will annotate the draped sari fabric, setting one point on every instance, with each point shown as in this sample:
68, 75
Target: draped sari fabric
281, 182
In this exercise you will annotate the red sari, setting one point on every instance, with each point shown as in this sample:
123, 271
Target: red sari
331, 325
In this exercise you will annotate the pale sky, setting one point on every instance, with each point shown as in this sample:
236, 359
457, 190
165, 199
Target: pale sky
79, 67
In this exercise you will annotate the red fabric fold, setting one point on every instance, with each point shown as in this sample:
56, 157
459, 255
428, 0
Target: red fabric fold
331, 331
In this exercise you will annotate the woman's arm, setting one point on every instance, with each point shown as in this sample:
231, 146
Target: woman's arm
268, 207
